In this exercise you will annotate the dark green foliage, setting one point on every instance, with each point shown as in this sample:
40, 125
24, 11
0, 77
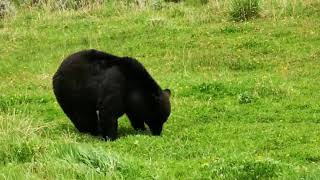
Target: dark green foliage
245, 98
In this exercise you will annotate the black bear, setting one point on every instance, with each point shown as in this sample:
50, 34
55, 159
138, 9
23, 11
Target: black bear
94, 89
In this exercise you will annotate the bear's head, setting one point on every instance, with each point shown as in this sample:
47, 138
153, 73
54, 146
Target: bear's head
160, 112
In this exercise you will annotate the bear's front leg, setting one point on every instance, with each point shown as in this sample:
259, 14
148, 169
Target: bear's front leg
136, 123
108, 126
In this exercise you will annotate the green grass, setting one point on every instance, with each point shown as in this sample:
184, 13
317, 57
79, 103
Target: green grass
245, 101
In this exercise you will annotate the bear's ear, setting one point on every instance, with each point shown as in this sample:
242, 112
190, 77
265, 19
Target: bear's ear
167, 91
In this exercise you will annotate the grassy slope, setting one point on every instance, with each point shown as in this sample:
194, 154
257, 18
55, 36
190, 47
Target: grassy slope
245, 95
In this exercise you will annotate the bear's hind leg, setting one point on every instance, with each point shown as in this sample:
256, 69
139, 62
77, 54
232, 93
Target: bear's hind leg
86, 122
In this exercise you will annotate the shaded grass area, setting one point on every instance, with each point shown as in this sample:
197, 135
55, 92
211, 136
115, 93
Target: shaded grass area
245, 95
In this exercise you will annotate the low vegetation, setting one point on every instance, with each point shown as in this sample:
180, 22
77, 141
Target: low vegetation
245, 99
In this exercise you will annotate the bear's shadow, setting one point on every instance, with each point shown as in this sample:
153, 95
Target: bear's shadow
122, 131
129, 131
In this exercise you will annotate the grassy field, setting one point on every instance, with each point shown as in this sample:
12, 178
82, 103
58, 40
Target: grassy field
245, 104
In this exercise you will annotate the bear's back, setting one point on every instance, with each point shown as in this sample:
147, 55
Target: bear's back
92, 66
86, 58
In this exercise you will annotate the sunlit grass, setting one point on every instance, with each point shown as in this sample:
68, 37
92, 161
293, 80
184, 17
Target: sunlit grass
245, 101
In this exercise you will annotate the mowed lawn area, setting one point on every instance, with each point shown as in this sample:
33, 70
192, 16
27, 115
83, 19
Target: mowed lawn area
245, 95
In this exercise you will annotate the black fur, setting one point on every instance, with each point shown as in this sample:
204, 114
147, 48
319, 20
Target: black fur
95, 88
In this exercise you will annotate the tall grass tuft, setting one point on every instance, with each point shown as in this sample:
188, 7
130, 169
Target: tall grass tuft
6, 8
70, 4
58, 5
175, 1
243, 10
